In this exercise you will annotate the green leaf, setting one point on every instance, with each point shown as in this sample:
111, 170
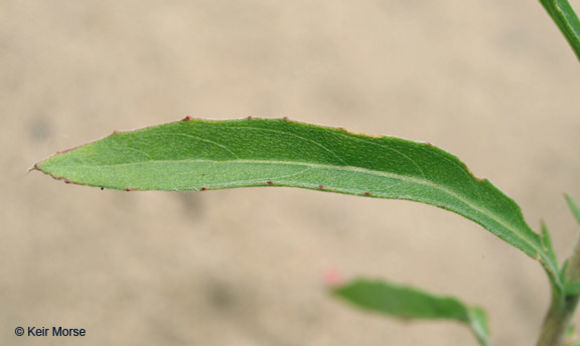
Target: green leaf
564, 269
546, 240
572, 288
411, 303
204, 155
573, 207
479, 325
567, 21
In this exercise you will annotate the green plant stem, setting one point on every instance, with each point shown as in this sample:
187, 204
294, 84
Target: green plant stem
557, 320
562, 306
566, 19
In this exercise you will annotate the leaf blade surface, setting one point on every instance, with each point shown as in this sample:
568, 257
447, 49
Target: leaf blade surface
201, 154
411, 303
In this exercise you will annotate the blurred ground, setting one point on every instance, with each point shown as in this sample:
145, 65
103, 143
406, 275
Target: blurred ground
490, 81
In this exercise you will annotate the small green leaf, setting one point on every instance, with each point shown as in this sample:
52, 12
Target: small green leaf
572, 288
565, 18
547, 242
479, 325
204, 155
573, 208
401, 301
564, 269
411, 303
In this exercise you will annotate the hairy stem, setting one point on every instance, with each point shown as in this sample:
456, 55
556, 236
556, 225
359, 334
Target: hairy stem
562, 306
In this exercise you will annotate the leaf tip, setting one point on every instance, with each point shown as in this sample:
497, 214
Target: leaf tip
543, 226
38, 167
573, 207
34, 168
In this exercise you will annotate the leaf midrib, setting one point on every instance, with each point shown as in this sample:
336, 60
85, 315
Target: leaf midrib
491, 215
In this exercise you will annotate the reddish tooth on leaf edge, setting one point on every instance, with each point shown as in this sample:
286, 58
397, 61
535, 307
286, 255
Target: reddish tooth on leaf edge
321, 186
270, 182
367, 193
442, 206
285, 118
128, 189
249, 117
65, 151
203, 189
66, 181
187, 118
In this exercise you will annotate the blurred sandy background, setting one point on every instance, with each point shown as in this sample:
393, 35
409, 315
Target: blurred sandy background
490, 81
